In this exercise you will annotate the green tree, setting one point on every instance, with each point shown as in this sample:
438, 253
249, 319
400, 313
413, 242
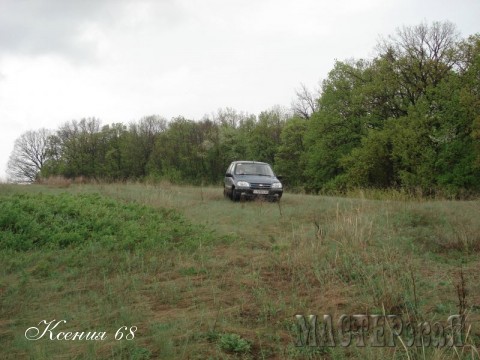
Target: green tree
76, 149
419, 57
337, 127
264, 139
371, 164
140, 143
176, 155
289, 158
114, 137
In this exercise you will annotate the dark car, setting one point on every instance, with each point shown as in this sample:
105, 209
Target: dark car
250, 179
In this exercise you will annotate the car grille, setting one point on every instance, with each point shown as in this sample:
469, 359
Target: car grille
260, 186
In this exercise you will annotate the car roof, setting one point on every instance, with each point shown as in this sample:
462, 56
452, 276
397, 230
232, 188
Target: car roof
249, 162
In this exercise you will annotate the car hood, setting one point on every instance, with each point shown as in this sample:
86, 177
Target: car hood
257, 179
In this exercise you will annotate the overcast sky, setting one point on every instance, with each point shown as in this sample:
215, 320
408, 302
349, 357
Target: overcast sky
120, 60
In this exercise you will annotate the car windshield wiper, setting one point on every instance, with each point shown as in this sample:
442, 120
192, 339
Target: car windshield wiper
262, 175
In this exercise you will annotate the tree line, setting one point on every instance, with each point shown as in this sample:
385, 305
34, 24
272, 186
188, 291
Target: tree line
407, 118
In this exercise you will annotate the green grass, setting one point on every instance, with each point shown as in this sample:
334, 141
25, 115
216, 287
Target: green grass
38, 221
203, 277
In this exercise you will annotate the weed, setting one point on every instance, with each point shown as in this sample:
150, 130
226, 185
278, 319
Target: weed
234, 343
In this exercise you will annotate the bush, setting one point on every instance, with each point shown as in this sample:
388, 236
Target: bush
233, 343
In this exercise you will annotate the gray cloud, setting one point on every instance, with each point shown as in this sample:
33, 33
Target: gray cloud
37, 27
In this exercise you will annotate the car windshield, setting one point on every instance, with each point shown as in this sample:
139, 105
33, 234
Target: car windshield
253, 169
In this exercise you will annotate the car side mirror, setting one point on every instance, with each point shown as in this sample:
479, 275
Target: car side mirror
279, 177
228, 175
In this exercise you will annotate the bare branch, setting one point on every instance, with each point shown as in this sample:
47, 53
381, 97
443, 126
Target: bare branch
28, 156
305, 104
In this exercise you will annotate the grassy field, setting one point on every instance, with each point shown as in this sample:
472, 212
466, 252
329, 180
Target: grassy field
195, 276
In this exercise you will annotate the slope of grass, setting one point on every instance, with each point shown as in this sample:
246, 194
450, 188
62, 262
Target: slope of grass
248, 268
36, 221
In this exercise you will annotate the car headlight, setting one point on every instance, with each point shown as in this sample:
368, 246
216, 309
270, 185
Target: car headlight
277, 185
243, 184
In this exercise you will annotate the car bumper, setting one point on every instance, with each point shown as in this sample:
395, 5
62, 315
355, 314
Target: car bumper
251, 193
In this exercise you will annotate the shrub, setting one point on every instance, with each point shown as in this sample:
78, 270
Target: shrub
234, 343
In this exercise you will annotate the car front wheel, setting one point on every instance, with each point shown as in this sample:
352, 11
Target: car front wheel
235, 195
